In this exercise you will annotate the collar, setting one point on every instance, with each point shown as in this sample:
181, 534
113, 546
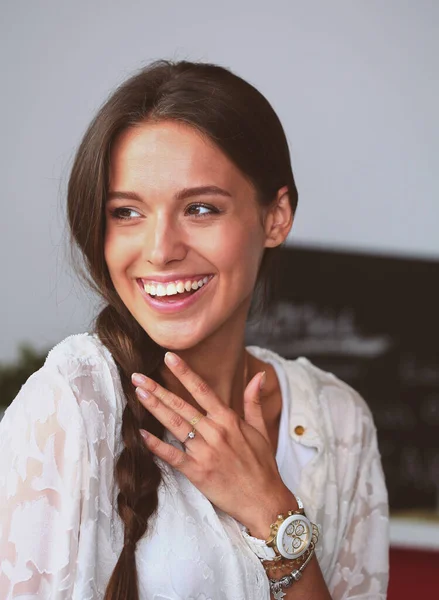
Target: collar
305, 420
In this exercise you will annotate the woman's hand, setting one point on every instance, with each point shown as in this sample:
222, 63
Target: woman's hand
230, 460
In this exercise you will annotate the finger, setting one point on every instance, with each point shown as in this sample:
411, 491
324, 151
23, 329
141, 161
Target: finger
170, 454
174, 422
170, 400
195, 385
252, 404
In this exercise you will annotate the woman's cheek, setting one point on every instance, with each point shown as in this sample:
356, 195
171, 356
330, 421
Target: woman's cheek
120, 250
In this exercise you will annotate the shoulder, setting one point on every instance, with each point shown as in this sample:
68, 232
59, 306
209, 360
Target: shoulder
79, 350
78, 386
332, 390
86, 364
350, 415
326, 402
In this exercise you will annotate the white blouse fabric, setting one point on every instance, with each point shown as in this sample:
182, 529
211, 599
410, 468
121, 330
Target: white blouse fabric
60, 534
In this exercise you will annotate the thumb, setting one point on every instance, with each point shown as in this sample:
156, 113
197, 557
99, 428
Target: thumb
252, 404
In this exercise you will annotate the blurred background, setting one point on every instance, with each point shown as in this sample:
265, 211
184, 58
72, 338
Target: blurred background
356, 86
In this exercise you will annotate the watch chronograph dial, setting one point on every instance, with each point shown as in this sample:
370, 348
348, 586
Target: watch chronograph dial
294, 536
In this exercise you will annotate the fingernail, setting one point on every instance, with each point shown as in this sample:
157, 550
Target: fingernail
143, 433
138, 379
262, 380
171, 358
142, 393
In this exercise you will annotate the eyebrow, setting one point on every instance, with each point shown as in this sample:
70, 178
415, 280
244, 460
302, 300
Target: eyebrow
202, 190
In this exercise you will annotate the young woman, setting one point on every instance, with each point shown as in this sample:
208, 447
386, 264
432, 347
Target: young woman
158, 457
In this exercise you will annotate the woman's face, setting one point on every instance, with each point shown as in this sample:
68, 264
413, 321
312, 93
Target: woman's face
178, 213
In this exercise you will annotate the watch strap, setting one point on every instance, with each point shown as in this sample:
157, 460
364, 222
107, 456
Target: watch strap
259, 547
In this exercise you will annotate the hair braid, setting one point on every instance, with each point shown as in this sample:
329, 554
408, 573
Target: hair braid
137, 474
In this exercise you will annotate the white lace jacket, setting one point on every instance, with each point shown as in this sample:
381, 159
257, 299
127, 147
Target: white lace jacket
60, 534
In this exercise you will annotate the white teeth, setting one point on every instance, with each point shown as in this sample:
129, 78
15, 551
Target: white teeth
171, 289
161, 290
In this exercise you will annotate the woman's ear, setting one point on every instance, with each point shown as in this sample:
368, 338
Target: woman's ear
278, 219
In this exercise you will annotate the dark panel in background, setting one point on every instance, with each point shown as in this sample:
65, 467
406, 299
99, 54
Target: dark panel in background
373, 322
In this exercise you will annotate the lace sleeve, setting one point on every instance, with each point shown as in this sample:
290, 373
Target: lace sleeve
43, 454
361, 570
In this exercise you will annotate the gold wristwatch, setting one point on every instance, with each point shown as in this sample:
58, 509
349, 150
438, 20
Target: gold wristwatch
290, 536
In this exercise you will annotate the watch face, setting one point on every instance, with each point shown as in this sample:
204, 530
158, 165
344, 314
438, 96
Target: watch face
294, 536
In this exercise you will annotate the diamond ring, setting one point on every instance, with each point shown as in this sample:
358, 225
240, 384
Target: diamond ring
190, 435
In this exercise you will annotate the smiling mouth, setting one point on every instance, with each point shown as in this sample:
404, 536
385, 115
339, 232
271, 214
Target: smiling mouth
172, 292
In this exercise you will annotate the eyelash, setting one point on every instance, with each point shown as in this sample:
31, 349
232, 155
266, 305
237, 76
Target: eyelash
212, 209
115, 213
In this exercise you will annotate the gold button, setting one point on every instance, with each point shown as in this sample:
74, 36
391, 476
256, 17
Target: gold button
299, 430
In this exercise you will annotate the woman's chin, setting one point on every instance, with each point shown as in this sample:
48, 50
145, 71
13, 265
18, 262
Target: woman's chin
176, 341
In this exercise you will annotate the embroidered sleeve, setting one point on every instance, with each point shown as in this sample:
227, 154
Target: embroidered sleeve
361, 569
43, 464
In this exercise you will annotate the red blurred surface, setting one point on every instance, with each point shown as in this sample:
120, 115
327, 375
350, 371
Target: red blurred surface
414, 575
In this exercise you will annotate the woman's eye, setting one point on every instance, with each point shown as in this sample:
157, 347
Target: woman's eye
123, 213
201, 210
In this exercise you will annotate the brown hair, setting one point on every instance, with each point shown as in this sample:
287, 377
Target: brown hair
241, 122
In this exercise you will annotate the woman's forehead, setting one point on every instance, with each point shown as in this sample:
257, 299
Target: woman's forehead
169, 154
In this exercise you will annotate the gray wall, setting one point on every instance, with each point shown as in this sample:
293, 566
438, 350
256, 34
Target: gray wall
355, 84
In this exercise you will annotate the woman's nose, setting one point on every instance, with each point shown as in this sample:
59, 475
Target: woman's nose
165, 242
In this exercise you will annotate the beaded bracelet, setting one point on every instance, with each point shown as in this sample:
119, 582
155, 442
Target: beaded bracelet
287, 581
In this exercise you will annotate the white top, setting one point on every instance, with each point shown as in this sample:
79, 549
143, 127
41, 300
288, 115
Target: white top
60, 534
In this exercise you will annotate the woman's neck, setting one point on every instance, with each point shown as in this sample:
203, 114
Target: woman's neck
222, 362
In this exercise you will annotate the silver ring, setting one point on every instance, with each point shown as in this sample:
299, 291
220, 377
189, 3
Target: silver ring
190, 435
